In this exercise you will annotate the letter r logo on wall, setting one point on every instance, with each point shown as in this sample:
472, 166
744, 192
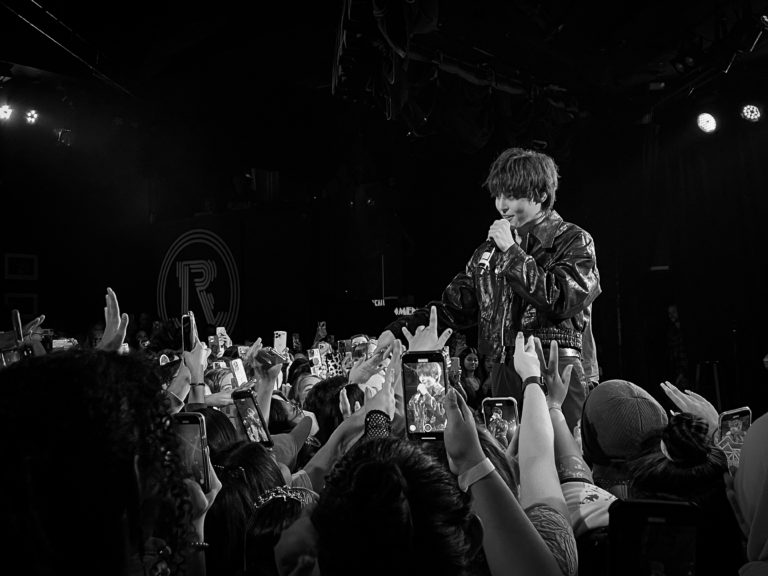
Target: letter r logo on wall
206, 280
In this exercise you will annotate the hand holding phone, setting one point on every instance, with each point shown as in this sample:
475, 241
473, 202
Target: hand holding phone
280, 342
193, 446
425, 384
501, 418
269, 357
187, 340
250, 417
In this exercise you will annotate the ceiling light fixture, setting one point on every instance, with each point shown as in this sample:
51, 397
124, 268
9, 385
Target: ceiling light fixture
706, 122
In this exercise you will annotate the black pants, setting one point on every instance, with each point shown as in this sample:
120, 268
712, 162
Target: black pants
506, 382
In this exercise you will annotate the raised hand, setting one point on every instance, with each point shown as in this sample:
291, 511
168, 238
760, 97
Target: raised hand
384, 399
526, 360
344, 407
364, 369
556, 385
426, 338
693, 404
461, 441
115, 324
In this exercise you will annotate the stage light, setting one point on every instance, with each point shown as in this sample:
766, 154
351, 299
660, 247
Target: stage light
707, 122
5, 112
32, 116
751, 112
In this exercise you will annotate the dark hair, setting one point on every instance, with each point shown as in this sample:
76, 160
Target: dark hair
222, 434
480, 372
323, 401
281, 413
391, 490
246, 471
300, 366
521, 173
694, 468
267, 524
96, 416
214, 377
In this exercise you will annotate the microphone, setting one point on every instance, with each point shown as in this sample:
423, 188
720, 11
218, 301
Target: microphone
485, 259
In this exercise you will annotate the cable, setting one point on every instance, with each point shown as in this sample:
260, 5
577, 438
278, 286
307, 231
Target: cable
100, 75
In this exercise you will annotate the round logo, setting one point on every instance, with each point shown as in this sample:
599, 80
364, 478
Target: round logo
199, 273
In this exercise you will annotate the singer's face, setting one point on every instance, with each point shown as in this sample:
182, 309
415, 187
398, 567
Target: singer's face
517, 211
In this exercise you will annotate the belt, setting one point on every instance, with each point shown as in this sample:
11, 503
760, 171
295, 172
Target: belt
561, 351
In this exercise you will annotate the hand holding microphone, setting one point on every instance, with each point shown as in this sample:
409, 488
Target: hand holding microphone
499, 236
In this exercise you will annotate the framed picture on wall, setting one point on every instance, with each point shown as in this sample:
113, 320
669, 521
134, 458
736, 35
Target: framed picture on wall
21, 267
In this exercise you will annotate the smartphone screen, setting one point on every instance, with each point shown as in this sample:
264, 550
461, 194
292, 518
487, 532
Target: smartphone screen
500, 417
186, 333
733, 429
424, 384
239, 371
190, 429
315, 361
250, 417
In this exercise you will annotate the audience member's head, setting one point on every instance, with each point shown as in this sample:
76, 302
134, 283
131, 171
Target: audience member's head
222, 434
391, 491
275, 510
616, 418
323, 401
93, 455
246, 471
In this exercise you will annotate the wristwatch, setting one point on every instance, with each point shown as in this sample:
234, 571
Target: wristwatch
536, 380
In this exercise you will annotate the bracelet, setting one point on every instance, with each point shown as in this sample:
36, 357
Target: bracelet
198, 545
555, 406
197, 384
477, 472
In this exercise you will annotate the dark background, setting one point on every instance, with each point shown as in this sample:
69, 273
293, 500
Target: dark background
313, 158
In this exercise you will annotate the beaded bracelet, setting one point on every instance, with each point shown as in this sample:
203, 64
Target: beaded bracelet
199, 545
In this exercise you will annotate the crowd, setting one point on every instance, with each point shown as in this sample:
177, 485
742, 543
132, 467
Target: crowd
97, 484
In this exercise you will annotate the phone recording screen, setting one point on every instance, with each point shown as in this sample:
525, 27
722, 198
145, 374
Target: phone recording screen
500, 416
251, 420
192, 450
424, 385
186, 333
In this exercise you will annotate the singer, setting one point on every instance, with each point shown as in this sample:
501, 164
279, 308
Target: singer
535, 273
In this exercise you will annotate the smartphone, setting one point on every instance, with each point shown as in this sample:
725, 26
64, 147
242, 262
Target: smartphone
239, 371
18, 329
344, 347
280, 342
425, 382
733, 426
193, 446
269, 357
315, 361
500, 417
213, 344
63, 343
219, 364
242, 351
455, 366
250, 417
221, 338
186, 332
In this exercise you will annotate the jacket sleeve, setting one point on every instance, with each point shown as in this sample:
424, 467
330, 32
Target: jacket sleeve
457, 309
567, 285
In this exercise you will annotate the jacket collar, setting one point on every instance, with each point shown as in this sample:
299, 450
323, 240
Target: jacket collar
546, 230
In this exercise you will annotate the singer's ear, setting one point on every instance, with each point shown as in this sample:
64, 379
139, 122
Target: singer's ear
544, 198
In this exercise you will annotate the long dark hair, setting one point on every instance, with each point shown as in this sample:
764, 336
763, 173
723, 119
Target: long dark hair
96, 418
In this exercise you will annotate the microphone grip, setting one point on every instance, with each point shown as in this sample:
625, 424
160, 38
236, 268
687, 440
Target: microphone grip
484, 263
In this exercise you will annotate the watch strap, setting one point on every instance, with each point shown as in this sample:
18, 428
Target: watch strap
477, 472
536, 380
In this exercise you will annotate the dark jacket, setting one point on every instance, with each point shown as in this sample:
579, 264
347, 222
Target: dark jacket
545, 291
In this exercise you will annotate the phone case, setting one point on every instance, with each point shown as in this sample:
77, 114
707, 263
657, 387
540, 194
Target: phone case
250, 417
425, 381
193, 446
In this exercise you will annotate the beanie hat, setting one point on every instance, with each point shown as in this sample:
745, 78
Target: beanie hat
617, 416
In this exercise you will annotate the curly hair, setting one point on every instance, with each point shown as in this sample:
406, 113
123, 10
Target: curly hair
520, 173
391, 490
97, 419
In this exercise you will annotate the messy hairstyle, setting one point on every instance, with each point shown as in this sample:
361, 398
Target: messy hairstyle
520, 173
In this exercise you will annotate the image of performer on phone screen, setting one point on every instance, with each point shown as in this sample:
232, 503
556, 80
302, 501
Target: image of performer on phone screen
425, 407
253, 427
